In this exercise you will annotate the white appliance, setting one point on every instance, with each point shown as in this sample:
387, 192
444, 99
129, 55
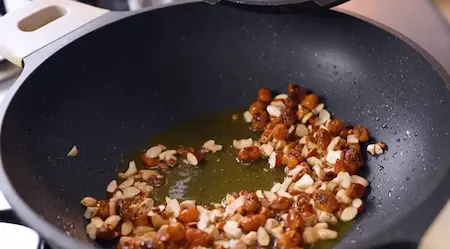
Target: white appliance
13, 4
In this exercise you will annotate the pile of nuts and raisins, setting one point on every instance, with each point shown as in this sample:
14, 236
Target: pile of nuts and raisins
320, 157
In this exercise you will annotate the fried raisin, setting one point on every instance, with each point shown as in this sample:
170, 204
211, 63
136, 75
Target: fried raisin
289, 239
280, 132
264, 95
294, 220
252, 222
256, 107
325, 201
251, 203
310, 101
322, 138
249, 154
362, 133
188, 215
355, 190
335, 126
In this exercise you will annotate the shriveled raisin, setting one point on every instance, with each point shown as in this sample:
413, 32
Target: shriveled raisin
289, 117
323, 138
352, 166
353, 153
251, 203
103, 209
328, 176
296, 93
105, 232
260, 120
291, 104
355, 190
339, 166
345, 165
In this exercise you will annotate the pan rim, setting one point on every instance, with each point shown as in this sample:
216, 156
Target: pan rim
435, 64
54, 235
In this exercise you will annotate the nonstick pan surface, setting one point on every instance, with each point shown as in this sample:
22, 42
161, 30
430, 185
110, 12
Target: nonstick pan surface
109, 88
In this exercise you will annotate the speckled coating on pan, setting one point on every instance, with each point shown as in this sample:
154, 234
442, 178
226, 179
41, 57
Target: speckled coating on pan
111, 90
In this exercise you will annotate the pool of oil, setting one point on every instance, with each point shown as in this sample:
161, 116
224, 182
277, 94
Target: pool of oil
219, 173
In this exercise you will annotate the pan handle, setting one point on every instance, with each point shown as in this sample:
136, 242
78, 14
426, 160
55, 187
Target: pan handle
4, 205
11, 232
437, 235
39, 23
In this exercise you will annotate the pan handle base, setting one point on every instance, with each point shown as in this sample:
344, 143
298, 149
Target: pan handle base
40, 23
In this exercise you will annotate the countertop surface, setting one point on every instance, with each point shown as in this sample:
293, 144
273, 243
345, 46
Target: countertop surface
418, 20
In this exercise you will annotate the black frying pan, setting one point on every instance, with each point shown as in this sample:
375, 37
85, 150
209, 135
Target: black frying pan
94, 87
